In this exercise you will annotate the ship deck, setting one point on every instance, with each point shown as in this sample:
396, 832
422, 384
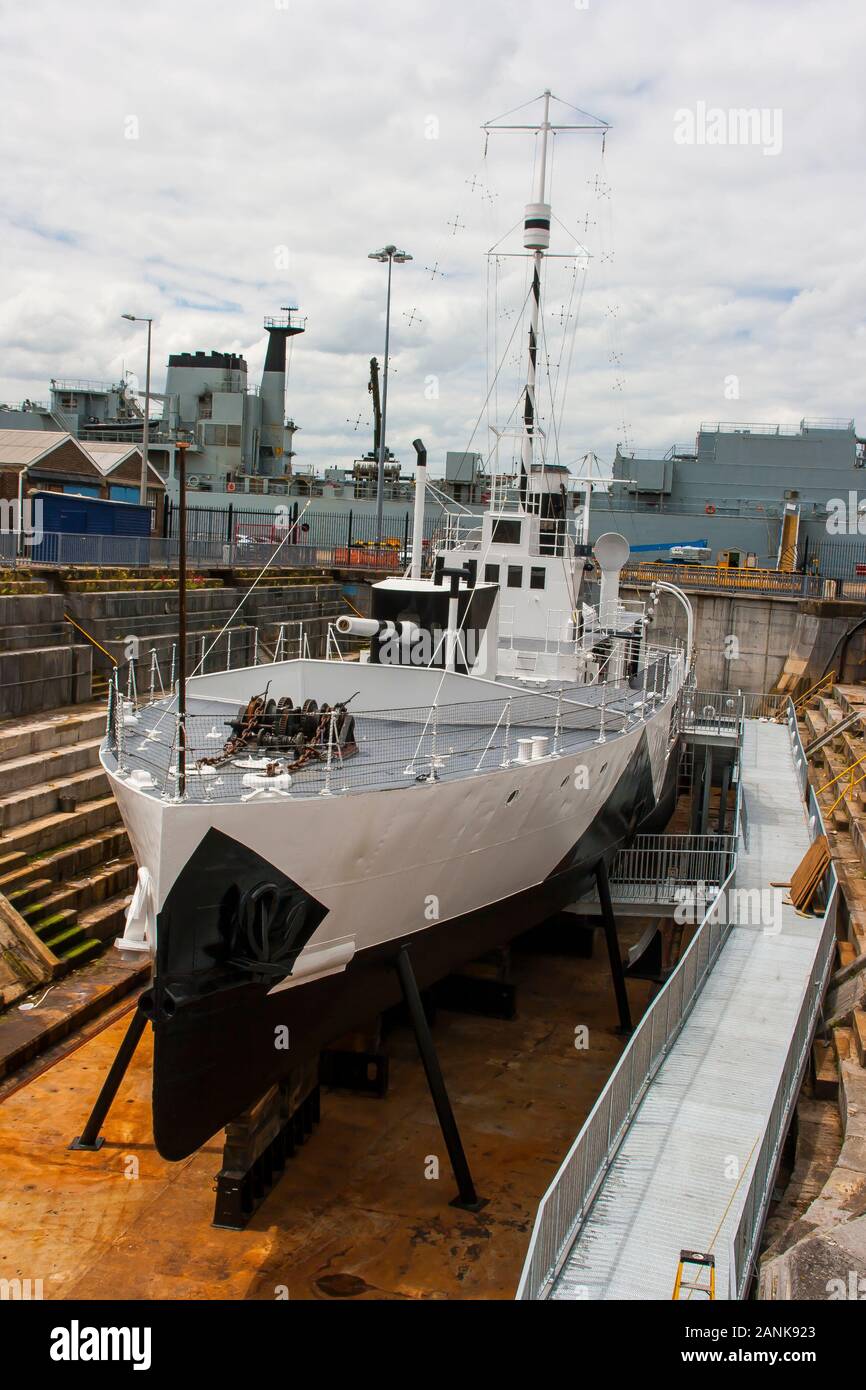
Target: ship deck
394, 748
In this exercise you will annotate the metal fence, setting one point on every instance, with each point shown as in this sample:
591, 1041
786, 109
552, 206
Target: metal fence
247, 551
757, 705
657, 868
720, 711
150, 672
841, 558
315, 526
711, 711
389, 747
745, 1241
567, 1201
714, 579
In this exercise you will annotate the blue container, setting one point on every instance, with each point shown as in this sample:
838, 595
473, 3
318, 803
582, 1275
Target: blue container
68, 519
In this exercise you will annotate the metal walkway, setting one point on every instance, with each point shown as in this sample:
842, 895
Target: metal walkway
650, 877
681, 1148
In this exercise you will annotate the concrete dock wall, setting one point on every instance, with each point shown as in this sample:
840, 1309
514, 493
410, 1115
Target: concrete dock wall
747, 641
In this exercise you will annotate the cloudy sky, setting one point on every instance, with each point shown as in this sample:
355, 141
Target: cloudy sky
206, 163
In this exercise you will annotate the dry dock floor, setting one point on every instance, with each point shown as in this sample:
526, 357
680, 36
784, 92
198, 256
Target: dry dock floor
354, 1215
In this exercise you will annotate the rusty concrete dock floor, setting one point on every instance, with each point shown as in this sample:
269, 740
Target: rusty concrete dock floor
354, 1215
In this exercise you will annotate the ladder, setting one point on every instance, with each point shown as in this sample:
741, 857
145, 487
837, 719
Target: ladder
700, 1260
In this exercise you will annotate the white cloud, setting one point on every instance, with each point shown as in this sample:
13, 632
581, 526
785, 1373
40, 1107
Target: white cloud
260, 127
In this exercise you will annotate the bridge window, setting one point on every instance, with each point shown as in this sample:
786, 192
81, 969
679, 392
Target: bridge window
515, 576
506, 531
491, 574
537, 575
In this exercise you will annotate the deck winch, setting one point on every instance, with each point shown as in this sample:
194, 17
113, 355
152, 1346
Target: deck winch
278, 726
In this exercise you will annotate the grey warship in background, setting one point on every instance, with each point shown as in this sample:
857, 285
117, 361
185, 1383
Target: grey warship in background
730, 491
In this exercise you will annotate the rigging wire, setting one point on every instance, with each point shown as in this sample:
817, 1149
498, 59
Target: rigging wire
522, 107
291, 531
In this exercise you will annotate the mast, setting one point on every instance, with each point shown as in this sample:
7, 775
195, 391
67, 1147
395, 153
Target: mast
536, 238
181, 448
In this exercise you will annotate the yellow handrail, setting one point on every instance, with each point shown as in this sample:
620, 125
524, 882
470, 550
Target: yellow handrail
843, 773
846, 791
801, 699
91, 640
825, 680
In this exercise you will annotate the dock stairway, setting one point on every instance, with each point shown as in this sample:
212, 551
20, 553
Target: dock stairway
65, 862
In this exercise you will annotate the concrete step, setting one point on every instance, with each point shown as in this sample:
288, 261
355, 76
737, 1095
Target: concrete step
63, 827
34, 803
133, 611
22, 897
829, 708
52, 924
118, 586
162, 643
84, 892
16, 635
33, 611
34, 679
61, 942
51, 765
81, 951
20, 738
10, 862
121, 606
67, 862
106, 922
849, 697
816, 725
846, 953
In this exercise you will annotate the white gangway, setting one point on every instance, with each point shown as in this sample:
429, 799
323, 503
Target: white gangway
682, 1146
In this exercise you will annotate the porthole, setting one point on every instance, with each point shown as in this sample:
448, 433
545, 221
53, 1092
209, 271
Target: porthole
513, 797
564, 782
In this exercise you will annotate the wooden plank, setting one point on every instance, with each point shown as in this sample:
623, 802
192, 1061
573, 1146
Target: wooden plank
847, 953
843, 1042
826, 1070
27, 962
807, 877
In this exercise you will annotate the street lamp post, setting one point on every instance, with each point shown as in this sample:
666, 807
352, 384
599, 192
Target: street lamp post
389, 254
142, 497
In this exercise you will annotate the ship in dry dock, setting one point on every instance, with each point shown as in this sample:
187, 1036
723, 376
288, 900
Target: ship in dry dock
298, 824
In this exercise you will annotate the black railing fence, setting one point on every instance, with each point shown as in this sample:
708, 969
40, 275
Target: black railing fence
349, 528
839, 558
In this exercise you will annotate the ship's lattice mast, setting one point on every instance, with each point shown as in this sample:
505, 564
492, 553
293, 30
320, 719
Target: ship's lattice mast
536, 239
